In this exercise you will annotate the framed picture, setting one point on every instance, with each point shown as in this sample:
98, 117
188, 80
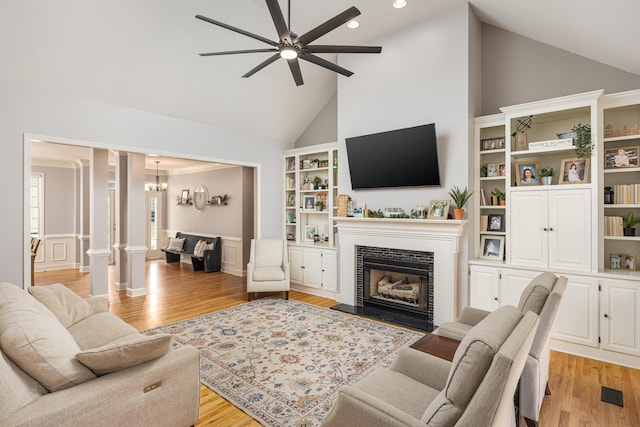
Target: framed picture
574, 171
492, 169
616, 261
291, 200
492, 247
291, 166
629, 262
623, 157
310, 232
502, 170
184, 198
495, 222
527, 174
439, 209
309, 203
358, 209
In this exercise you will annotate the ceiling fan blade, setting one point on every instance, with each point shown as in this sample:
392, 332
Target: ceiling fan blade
233, 52
331, 24
294, 66
263, 64
278, 21
326, 64
237, 30
342, 49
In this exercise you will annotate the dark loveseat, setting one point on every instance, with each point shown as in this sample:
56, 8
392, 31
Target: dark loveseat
210, 261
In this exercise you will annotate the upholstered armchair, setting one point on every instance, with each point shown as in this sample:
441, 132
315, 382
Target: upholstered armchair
268, 268
542, 296
475, 389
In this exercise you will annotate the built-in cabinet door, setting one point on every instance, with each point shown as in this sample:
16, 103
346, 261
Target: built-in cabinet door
577, 317
570, 229
512, 283
312, 268
330, 270
295, 264
529, 241
484, 287
620, 316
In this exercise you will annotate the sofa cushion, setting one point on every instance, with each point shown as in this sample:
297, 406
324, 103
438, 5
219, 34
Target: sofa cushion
100, 329
535, 294
65, 304
175, 244
470, 365
127, 351
41, 346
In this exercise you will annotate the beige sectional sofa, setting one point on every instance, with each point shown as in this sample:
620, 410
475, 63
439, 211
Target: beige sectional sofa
68, 361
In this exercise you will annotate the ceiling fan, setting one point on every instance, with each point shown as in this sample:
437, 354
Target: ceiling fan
291, 46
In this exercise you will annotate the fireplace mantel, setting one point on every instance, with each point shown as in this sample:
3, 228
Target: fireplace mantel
442, 237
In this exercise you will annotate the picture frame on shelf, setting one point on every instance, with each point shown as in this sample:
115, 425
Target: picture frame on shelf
184, 197
491, 247
527, 173
574, 170
310, 232
629, 262
502, 169
291, 165
492, 169
495, 222
616, 261
621, 157
291, 200
438, 209
309, 203
358, 210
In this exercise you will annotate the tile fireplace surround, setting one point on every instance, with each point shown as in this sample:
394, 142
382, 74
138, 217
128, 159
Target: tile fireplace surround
442, 237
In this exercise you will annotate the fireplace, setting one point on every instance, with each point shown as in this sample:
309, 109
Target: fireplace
400, 285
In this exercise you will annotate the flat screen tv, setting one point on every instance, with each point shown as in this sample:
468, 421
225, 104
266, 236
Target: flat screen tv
398, 158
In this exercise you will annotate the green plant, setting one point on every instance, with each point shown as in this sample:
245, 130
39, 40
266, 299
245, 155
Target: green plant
583, 142
460, 197
547, 171
319, 204
317, 180
223, 199
376, 214
499, 194
630, 220
483, 170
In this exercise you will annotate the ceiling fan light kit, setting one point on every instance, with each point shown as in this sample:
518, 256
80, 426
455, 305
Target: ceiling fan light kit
293, 47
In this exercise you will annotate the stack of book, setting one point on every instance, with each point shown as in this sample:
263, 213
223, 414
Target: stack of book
626, 194
613, 226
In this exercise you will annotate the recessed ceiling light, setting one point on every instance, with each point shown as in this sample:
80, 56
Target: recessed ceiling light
399, 4
353, 24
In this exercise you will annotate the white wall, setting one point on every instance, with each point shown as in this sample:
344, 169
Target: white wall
422, 76
40, 112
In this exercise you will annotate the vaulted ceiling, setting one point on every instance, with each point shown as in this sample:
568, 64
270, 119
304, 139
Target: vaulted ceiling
143, 54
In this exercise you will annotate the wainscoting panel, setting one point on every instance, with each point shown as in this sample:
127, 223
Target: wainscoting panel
56, 252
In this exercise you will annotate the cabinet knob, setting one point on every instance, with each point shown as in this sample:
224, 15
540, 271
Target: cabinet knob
302, 266
606, 315
545, 229
495, 298
550, 228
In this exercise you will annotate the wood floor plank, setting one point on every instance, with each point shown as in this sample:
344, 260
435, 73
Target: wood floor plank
175, 292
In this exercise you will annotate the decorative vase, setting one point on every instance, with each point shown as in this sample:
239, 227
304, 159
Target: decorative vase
458, 213
629, 231
546, 180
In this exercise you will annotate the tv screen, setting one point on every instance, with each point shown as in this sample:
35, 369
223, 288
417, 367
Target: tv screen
398, 158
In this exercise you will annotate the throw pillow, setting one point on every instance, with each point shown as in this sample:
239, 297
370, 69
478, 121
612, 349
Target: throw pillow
125, 352
175, 244
41, 346
65, 304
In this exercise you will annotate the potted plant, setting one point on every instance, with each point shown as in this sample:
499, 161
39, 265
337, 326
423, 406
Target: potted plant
500, 197
460, 199
483, 170
629, 221
223, 199
316, 182
319, 205
583, 142
546, 175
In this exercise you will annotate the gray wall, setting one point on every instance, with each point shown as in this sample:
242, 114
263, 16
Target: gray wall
59, 199
516, 69
324, 126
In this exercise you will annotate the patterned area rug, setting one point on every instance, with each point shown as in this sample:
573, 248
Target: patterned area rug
282, 362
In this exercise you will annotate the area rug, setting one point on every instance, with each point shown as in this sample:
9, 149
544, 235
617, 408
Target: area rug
283, 361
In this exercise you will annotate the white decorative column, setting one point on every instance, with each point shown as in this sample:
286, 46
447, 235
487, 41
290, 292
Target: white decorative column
441, 237
83, 214
99, 223
120, 255
136, 223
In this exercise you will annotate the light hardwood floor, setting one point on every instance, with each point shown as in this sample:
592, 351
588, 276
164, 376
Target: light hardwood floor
175, 292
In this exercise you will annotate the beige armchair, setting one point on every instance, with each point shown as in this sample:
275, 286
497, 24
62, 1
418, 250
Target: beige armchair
542, 296
475, 389
268, 268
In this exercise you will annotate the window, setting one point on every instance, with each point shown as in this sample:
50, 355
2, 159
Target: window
36, 200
